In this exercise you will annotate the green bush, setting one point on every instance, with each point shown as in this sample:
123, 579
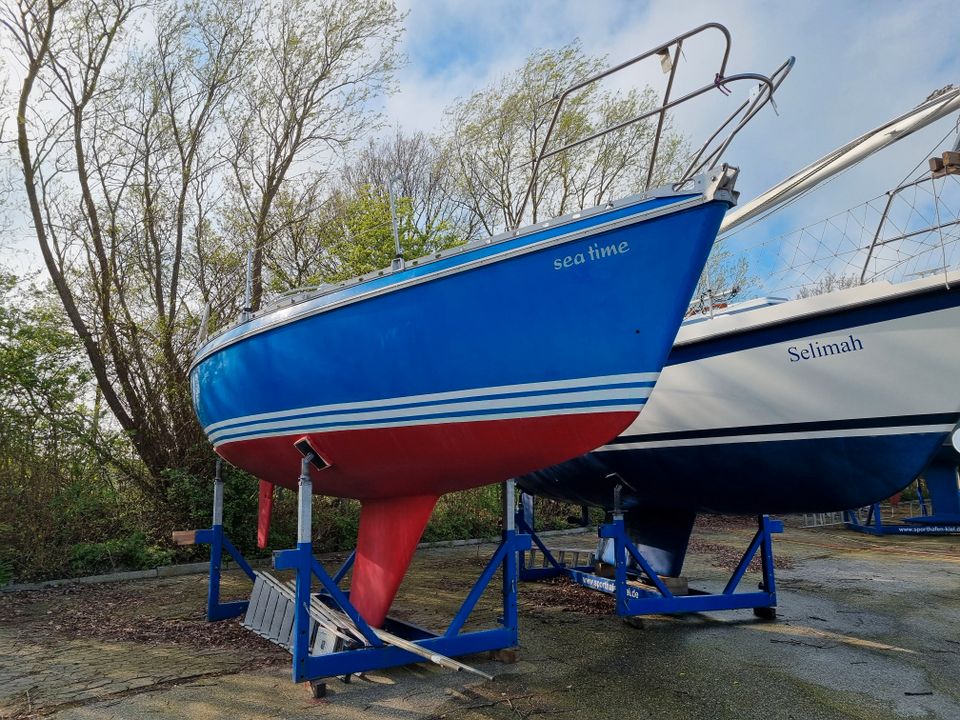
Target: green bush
335, 520
466, 514
190, 499
132, 552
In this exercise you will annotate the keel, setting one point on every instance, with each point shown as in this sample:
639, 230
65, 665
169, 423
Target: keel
390, 529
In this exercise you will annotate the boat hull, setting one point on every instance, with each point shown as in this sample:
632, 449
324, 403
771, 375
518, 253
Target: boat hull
827, 412
513, 358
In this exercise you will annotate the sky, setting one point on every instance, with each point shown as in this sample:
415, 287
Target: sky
859, 63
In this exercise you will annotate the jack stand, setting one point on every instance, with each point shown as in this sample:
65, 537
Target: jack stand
218, 542
376, 653
652, 596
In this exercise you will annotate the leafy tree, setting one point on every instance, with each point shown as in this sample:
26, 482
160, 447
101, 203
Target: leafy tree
42, 376
59, 478
352, 234
364, 242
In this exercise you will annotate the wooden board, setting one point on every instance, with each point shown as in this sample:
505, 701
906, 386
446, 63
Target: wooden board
184, 537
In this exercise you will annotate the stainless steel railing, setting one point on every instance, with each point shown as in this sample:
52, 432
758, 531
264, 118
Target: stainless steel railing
669, 54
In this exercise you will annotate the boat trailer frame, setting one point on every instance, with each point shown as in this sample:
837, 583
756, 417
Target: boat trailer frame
376, 654
653, 596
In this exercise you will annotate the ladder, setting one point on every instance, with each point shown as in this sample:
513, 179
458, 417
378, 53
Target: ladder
270, 615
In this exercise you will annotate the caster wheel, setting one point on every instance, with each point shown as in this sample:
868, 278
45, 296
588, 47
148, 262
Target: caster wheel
765, 613
507, 656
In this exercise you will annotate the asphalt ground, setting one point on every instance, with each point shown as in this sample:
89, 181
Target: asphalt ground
867, 628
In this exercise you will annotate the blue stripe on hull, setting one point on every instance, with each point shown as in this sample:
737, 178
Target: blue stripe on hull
514, 321
822, 324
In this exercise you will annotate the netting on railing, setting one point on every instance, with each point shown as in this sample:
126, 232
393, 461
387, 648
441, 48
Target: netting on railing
907, 233
920, 234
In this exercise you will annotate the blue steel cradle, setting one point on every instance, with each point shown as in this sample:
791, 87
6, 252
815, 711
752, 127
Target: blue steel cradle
653, 596
376, 653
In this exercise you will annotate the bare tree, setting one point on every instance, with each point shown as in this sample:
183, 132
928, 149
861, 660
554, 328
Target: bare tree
318, 65
422, 170
495, 135
297, 255
828, 282
725, 276
48, 36
117, 148
151, 135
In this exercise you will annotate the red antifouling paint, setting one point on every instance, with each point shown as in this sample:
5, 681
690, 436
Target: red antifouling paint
264, 512
390, 529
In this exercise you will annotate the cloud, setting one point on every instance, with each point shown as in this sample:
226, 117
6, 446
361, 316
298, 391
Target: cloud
859, 64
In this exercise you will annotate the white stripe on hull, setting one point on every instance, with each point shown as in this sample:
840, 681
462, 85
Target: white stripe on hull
773, 437
370, 417
306, 428
453, 395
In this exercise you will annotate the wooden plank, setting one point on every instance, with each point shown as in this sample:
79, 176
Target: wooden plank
507, 656
341, 619
676, 585
951, 158
337, 622
936, 164
184, 537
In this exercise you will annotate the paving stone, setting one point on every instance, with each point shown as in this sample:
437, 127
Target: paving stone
572, 664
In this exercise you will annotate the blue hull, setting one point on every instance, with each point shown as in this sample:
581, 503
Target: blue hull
389, 379
792, 476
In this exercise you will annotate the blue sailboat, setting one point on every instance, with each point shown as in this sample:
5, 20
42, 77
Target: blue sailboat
472, 365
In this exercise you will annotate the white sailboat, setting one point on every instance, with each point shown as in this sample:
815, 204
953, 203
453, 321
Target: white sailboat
814, 404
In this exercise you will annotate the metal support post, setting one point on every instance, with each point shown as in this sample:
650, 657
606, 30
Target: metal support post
651, 595
248, 289
216, 546
398, 262
524, 519
219, 542
941, 517
619, 553
375, 653
510, 575
301, 618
